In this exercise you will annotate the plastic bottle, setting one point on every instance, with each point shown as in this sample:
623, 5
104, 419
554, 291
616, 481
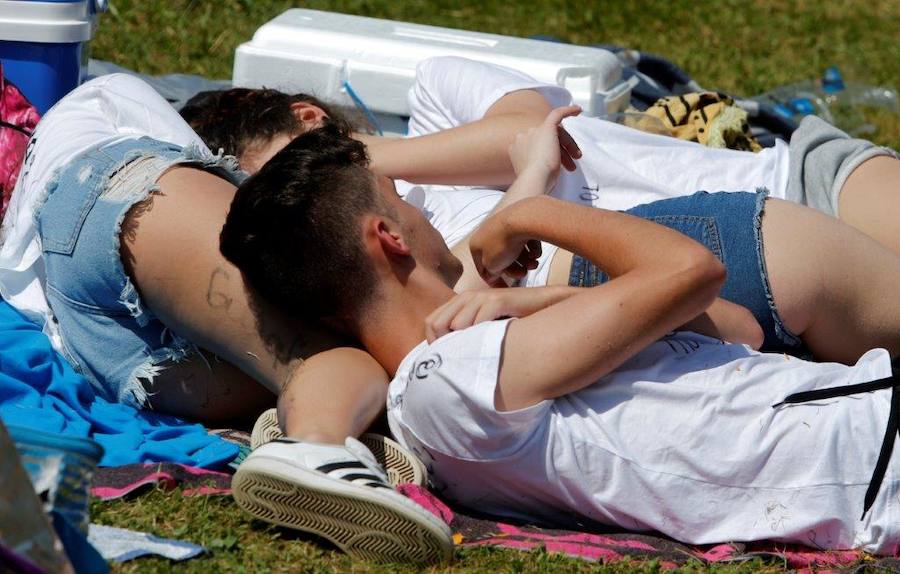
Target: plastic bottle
832, 99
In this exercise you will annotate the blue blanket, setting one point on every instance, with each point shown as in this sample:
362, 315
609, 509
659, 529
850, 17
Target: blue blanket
40, 390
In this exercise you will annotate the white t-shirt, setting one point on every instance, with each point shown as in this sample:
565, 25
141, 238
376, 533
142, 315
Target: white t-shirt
682, 439
104, 110
620, 168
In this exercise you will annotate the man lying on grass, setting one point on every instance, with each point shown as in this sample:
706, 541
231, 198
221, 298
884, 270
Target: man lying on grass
585, 404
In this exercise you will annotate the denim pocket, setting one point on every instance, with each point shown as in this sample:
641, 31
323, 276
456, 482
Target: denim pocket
62, 216
699, 228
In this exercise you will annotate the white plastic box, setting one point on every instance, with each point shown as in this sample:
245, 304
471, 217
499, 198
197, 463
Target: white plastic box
317, 52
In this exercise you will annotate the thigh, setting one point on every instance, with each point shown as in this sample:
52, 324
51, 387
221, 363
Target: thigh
172, 251
834, 285
204, 388
870, 200
103, 328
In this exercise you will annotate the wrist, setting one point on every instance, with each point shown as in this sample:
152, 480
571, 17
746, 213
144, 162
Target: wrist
523, 219
538, 174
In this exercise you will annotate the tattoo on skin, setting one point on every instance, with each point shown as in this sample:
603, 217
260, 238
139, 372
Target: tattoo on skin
216, 296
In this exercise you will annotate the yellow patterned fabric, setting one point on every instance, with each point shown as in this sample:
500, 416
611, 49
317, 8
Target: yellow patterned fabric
709, 118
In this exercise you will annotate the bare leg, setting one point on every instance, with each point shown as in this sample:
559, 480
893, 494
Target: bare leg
333, 395
206, 389
834, 286
170, 246
870, 200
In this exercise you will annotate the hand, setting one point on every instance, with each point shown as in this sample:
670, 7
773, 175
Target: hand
545, 147
473, 307
495, 254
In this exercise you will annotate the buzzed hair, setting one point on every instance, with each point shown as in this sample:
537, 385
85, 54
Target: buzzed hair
293, 228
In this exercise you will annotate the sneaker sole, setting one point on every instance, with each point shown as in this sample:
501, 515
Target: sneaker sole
401, 467
265, 429
361, 521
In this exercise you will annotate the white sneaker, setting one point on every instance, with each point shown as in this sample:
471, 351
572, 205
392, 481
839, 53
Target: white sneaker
402, 466
341, 494
265, 429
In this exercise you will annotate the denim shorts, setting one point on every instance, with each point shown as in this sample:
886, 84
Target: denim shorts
107, 333
728, 223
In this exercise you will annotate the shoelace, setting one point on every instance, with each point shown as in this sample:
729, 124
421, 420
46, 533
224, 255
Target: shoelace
890, 433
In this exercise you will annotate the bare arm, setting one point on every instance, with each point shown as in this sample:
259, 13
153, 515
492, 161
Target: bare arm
661, 280
471, 154
654, 291
727, 321
723, 319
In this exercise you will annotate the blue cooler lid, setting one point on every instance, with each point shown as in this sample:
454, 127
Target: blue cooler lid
46, 21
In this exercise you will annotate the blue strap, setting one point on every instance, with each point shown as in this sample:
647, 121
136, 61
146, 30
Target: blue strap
362, 106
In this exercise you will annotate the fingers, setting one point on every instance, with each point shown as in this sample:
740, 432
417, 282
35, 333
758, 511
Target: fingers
557, 115
464, 310
569, 150
437, 324
528, 258
567, 143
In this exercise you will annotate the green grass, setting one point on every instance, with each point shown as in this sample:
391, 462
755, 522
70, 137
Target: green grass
743, 47
238, 544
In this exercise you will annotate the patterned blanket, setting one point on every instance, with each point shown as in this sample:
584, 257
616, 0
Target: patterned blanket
470, 530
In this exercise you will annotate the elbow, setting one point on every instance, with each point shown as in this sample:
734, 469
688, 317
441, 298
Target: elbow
708, 275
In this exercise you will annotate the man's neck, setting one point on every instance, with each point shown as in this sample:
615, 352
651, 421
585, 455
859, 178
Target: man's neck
396, 323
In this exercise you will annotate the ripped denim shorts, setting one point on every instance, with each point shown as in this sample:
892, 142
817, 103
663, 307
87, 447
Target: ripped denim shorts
107, 333
730, 225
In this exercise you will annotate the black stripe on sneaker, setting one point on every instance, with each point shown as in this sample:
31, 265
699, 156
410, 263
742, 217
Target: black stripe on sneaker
326, 468
352, 477
379, 485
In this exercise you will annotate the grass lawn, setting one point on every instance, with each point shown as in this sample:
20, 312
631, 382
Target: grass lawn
743, 47
238, 544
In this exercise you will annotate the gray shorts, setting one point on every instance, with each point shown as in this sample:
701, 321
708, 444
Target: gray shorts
822, 157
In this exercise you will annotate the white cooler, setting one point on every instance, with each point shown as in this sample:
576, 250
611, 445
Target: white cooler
320, 53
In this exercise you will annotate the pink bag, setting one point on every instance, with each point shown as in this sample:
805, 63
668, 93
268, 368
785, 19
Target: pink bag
17, 121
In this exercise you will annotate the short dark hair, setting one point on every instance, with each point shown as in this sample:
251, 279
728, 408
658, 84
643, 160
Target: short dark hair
293, 227
238, 119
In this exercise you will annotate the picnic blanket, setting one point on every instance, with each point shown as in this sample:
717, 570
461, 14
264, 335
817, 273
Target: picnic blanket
594, 543
134, 479
612, 545
39, 389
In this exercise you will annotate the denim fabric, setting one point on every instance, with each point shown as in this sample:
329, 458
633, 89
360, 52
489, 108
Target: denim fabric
727, 223
107, 333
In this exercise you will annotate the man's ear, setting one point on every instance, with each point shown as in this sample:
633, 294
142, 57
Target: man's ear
309, 115
389, 237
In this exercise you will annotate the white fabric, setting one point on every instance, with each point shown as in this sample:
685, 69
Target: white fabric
682, 439
104, 110
620, 168
450, 92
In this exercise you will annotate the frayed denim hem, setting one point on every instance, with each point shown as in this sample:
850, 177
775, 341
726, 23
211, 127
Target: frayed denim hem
781, 331
135, 392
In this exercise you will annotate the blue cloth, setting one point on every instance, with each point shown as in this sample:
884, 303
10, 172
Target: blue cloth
40, 390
